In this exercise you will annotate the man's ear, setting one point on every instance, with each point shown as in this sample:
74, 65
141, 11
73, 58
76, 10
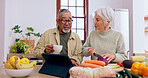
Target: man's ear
57, 22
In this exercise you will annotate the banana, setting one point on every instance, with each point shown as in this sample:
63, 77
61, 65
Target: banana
7, 65
13, 64
25, 66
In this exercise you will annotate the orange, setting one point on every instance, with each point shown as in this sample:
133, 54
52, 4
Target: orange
25, 61
12, 59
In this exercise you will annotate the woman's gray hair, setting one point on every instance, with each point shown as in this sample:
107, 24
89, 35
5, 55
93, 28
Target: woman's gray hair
63, 10
107, 14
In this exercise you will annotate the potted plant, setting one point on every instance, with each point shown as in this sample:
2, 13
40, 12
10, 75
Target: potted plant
20, 49
27, 36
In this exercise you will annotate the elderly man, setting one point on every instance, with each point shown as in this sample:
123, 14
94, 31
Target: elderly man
61, 35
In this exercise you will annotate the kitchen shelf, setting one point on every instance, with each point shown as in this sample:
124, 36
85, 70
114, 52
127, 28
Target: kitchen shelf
141, 54
145, 18
146, 30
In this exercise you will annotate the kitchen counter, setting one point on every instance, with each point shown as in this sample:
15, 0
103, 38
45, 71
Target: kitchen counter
34, 74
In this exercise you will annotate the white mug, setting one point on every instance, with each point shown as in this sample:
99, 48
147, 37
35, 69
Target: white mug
57, 48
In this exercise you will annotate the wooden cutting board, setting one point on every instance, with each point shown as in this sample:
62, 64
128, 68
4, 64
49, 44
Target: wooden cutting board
118, 69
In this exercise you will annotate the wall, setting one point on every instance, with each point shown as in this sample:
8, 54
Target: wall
146, 23
129, 4
95, 4
2, 27
40, 14
146, 12
145, 7
138, 26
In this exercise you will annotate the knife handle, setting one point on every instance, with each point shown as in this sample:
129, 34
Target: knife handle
94, 54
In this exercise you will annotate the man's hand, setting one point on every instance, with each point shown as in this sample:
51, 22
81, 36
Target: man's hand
49, 48
109, 57
91, 51
74, 62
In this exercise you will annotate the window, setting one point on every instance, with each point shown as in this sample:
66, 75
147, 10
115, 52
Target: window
79, 10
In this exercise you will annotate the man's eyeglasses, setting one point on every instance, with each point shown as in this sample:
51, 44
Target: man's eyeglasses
64, 21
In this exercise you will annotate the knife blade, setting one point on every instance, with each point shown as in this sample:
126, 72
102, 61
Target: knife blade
97, 55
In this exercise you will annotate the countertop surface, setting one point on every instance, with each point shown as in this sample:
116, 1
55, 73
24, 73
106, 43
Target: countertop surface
34, 74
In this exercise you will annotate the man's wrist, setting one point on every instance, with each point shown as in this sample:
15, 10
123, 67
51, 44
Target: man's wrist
73, 59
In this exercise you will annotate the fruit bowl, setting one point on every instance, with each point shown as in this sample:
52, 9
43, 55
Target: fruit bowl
19, 72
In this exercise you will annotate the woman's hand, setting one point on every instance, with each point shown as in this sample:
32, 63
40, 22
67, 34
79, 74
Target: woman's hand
109, 57
91, 51
74, 62
49, 48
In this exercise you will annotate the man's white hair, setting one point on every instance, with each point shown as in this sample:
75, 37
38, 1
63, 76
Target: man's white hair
107, 14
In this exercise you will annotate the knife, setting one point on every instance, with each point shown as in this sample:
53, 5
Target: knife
97, 55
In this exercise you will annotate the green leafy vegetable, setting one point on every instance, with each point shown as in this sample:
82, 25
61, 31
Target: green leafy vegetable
20, 47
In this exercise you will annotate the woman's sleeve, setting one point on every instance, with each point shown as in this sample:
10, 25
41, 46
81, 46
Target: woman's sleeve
120, 52
86, 46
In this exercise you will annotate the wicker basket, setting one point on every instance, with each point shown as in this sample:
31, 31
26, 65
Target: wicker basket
30, 43
21, 55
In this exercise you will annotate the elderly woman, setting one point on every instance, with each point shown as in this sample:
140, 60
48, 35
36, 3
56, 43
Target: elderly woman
103, 40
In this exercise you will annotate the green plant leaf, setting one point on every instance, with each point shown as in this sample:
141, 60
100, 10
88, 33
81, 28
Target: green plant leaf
28, 34
38, 34
17, 39
30, 29
16, 27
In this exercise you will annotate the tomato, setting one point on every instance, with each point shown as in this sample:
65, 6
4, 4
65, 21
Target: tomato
119, 63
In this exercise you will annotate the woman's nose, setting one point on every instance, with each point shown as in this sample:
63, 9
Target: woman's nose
94, 22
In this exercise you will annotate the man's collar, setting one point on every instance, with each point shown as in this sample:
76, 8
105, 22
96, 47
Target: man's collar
56, 30
72, 36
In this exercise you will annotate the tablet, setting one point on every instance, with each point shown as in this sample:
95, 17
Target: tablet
56, 65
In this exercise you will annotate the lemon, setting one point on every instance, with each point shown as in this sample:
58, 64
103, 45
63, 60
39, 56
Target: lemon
25, 61
12, 59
